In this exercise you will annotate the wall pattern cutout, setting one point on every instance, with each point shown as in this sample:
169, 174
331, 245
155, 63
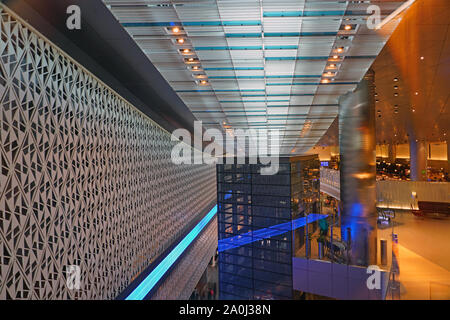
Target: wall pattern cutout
85, 178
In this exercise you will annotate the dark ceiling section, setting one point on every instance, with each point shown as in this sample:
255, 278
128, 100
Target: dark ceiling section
331, 137
104, 48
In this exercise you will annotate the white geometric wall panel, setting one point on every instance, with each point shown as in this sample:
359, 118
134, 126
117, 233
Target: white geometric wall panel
85, 178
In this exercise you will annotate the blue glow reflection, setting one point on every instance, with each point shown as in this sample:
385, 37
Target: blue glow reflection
152, 279
252, 236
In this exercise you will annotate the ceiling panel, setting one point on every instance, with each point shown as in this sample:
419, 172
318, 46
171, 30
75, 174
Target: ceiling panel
263, 62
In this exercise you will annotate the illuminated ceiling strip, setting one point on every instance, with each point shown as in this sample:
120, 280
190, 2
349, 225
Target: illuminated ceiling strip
222, 90
280, 34
281, 14
267, 77
228, 48
160, 270
308, 83
234, 68
192, 23
318, 58
399, 10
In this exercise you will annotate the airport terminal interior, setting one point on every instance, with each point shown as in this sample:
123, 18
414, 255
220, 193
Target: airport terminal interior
224, 150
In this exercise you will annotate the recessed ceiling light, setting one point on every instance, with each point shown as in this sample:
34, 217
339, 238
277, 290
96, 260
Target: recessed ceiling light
325, 81
395, 79
186, 50
204, 82
191, 59
416, 93
195, 68
395, 87
340, 49
422, 58
175, 29
180, 40
348, 27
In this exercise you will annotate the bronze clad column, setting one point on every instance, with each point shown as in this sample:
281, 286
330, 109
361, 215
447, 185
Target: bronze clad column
392, 152
358, 172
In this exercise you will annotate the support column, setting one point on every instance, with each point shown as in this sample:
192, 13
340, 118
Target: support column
448, 154
418, 152
358, 172
392, 153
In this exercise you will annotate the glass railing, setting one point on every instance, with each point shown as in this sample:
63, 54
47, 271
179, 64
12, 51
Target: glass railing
322, 240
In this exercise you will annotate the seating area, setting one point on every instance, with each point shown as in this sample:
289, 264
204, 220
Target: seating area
429, 208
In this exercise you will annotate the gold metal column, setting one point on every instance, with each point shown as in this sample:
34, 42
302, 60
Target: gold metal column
358, 171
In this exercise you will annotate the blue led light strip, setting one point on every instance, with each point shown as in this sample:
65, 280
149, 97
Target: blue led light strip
160, 270
252, 236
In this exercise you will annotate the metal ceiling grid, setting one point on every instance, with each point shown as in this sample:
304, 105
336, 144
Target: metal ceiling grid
264, 64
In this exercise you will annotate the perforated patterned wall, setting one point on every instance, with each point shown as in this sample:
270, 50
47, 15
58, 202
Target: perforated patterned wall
85, 178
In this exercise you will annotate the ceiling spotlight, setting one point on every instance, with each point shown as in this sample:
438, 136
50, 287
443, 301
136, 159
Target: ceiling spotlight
376, 94
340, 49
335, 57
186, 50
175, 29
195, 68
422, 58
325, 81
191, 59
396, 94
416, 93
395, 79
348, 27
413, 110
395, 87
180, 40
331, 66
204, 82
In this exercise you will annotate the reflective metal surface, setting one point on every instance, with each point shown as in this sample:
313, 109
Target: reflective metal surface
358, 194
